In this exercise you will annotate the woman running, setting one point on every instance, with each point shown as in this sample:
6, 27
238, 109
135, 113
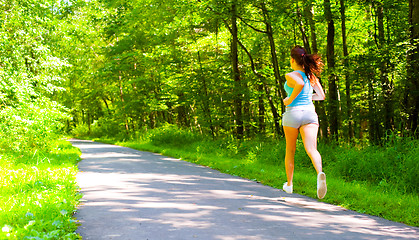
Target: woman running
300, 115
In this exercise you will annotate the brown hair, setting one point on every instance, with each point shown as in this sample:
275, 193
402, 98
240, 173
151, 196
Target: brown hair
312, 63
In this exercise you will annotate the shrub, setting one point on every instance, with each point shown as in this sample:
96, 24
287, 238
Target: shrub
81, 130
30, 126
410, 168
268, 152
390, 166
39, 194
107, 127
171, 135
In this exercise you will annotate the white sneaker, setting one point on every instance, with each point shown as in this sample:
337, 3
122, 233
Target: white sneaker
321, 185
286, 188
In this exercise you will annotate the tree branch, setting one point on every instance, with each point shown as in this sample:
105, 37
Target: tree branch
257, 30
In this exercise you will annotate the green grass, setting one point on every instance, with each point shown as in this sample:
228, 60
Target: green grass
38, 194
365, 180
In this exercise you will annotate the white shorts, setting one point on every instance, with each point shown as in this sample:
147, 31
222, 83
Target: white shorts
298, 116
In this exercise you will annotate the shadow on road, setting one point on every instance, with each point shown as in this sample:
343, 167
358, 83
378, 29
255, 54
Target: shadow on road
130, 194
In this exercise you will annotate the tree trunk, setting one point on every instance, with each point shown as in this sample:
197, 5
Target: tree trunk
279, 81
413, 68
267, 92
300, 24
308, 11
346, 73
261, 120
373, 133
121, 95
320, 109
182, 114
236, 73
206, 104
88, 122
386, 88
330, 53
281, 91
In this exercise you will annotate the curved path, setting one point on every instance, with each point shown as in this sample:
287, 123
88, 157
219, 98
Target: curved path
129, 194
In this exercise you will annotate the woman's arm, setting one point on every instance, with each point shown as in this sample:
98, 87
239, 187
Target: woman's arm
318, 94
295, 81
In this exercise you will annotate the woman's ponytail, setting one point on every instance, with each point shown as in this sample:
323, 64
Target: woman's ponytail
312, 63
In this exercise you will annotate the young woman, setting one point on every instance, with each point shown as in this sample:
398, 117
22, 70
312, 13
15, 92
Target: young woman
300, 115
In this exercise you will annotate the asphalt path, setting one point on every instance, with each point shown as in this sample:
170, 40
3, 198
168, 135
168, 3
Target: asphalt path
130, 194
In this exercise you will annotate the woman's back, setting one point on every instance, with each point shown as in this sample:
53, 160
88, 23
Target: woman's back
305, 96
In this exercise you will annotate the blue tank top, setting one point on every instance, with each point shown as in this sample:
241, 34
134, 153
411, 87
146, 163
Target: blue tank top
306, 95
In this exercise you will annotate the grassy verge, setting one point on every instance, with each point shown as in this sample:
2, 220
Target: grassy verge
38, 194
262, 161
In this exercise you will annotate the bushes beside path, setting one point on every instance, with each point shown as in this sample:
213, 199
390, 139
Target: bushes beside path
38, 194
38, 191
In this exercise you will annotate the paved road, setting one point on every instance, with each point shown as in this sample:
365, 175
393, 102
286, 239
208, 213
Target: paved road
136, 195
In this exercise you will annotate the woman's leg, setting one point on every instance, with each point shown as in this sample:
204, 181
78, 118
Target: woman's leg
309, 136
291, 135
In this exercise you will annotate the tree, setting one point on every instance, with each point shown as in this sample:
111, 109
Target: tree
387, 87
301, 26
320, 106
333, 91
412, 85
218, 67
31, 74
235, 71
350, 133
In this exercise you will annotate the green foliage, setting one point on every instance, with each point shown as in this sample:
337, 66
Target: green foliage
39, 194
80, 131
393, 166
173, 136
144, 64
37, 177
101, 128
30, 127
30, 75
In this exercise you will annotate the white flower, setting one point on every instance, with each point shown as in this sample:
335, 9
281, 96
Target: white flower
6, 228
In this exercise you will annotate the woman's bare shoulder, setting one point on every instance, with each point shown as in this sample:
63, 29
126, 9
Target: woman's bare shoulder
294, 76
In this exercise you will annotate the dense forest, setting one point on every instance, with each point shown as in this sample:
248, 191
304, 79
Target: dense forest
215, 67
218, 67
